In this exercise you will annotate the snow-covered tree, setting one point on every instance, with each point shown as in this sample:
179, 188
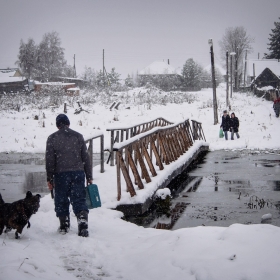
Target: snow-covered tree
114, 79
192, 74
236, 40
89, 76
274, 42
50, 57
129, 81
27, 57
101, 80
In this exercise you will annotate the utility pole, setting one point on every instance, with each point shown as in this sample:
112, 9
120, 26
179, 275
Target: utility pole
103, 66
245, 69
74, 68
236, 70
231, 73
215, 105
227, 101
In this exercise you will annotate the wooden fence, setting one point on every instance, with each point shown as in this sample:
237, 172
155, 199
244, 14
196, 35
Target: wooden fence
124, 133
159, 147
90, 150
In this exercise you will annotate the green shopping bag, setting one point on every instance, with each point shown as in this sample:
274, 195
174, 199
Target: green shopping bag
221, 134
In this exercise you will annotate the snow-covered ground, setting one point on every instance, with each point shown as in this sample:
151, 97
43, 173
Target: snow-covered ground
120, 250
259, 129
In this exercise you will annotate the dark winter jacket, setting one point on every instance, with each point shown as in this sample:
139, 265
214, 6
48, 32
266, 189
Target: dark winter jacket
66, 151
225, 123
276, 106
234, 124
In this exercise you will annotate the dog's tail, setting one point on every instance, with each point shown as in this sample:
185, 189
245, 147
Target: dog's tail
1, 199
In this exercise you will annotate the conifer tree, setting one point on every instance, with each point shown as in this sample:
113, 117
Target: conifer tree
274, 42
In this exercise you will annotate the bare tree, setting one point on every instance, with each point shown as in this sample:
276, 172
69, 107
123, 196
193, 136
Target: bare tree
236, 39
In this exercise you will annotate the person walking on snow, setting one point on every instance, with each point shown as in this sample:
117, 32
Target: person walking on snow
234, 126
225, 125
67, 163
276, 107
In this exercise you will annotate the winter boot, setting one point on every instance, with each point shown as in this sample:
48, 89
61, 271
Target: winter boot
64, 224
82, 219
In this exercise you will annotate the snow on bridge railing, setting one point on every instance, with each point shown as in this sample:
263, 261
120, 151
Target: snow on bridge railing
158, 146
119, 134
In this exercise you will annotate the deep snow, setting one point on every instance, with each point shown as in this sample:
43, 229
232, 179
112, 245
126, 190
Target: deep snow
120, 250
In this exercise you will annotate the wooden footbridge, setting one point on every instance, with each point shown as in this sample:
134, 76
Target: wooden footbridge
142, 152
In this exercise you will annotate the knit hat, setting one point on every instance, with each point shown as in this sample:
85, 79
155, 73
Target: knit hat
62, 120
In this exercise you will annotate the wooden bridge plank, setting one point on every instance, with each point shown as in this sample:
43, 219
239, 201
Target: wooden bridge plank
126, 176
142, 164
135, 171
148, 159
159, 163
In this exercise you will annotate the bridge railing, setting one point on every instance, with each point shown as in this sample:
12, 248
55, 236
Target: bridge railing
89, 142
124, 133
197, 131
158, 147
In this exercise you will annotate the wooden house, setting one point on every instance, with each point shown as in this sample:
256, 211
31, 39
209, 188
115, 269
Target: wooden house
160, 74
11, 80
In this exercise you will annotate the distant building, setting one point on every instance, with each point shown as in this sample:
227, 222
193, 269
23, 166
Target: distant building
256, 67
11, 80
10, 72
160, 74
79, 82
69, 88
264, 77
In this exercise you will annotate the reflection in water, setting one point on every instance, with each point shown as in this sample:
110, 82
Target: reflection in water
241, 191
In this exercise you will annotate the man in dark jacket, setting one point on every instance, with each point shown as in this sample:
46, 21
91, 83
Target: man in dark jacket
276, 107
225, 125
67, 163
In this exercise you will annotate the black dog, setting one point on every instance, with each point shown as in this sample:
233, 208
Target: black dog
17, 214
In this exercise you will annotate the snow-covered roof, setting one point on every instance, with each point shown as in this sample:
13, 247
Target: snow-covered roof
7, 72
159, 68
54, 83
217, 67
73, 89
11, 79
261, 64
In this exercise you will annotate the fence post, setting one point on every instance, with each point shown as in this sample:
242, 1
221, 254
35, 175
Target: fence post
112, 152
90, 150
102, 153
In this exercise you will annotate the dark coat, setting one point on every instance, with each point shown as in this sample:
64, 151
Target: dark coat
276, 106
225, 123
66, 151
234, 124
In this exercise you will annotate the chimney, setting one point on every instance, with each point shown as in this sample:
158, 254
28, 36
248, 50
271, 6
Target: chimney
168, 61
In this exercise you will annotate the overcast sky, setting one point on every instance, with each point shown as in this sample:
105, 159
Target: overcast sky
133, 33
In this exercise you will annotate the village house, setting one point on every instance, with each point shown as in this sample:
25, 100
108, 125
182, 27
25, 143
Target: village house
69, 88
160, 74
11, 80
264, 77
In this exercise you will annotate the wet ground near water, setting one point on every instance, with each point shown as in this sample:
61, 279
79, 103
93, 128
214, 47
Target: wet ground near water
21, 172
224, 188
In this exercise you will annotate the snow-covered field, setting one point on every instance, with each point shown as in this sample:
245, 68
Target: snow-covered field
120, 250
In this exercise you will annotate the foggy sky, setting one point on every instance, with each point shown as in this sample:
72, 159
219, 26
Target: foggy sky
133, 33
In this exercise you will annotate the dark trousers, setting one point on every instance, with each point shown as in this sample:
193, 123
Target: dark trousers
69, 185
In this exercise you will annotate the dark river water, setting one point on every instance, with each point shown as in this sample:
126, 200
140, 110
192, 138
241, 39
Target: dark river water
22, 172
224, 188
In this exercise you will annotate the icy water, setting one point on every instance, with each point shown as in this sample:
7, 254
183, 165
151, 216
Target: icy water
226, 187
22, 172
